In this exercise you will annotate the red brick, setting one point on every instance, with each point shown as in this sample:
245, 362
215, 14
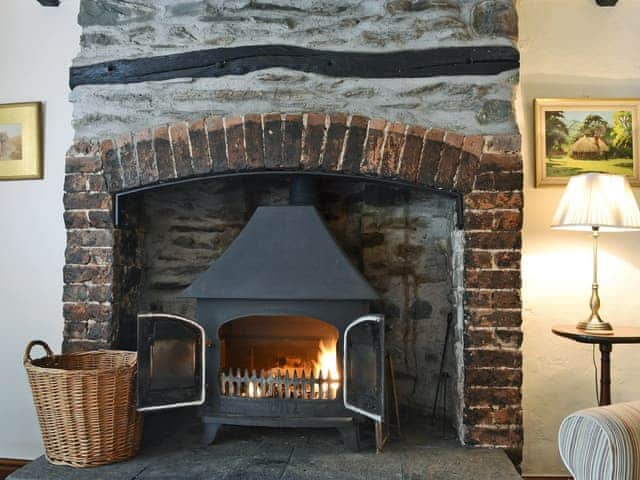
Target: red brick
506, 299
507, 259
430, 158
493, 240
335, 141
97, 183
179, 134
494, 317
100, 219
491, 200
500, 162
478, 358
76, 219
449, 160
76, 182
473, 144
354, 146
97, 274
85, 200
272, 139
235, 143
477, 299
492, 338
314, 139
373, 148
493, 377
501, 220
488, 396
217, 143
146, 157
200, 157
164, 155
392, 149
478, 220
292, 148
508, 181
477, 259
493, 416
410, 162
84, 164
128, 160
485, 182
90, 238
487, 279
111, 163
503, 143
507, 220
495, 437
466, 174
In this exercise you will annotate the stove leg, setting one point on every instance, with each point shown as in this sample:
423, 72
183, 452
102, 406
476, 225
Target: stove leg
209, 432
351, 436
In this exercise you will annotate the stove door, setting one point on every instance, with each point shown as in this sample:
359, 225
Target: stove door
363, 367
171, 363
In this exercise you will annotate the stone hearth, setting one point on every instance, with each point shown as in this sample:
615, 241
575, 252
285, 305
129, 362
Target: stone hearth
172, 451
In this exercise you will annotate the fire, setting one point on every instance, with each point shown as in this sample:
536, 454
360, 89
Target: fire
324, 370
326, 366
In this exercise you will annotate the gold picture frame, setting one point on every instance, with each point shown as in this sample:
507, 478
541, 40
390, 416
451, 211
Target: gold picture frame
574, 136
21, 141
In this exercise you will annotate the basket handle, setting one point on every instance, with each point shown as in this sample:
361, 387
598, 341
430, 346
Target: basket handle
33, 343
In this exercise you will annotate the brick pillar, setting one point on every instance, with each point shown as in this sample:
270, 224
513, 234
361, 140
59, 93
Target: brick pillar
88, 273
493, 337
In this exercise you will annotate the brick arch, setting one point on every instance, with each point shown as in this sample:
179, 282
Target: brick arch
335, 142
485, 170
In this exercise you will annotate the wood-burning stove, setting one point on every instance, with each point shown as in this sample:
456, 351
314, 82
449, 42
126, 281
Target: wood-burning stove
283, 338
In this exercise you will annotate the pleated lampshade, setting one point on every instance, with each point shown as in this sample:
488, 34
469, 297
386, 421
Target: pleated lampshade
597, 200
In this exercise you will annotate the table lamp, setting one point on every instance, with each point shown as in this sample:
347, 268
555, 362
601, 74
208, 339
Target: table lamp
597, 202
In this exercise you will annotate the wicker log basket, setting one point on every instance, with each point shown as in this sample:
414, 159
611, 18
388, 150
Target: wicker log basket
86, 405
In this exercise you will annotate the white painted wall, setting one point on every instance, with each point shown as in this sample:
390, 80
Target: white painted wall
36, 47
572, 48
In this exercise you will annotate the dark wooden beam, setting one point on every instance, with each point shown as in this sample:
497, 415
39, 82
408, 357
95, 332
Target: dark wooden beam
219, 62
607, 3
49, 3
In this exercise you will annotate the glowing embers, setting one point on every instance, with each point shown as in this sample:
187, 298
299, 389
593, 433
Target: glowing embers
279, 357
294, 378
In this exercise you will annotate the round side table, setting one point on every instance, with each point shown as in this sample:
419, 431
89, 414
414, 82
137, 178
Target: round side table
605, 341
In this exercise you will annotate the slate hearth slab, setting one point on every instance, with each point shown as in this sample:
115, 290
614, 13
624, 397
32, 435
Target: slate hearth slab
242, 453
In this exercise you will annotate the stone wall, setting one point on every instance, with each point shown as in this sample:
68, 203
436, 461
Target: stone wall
114, 29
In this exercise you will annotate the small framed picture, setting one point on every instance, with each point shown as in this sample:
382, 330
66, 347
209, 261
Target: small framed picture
21, 141
575, 136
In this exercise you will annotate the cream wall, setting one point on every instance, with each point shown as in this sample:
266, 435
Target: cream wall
572, 48
36, 47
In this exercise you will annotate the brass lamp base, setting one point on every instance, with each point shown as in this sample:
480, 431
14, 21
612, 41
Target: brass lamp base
596, 326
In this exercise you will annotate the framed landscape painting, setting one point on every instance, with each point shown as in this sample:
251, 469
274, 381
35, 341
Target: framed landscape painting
575, 136
20, 141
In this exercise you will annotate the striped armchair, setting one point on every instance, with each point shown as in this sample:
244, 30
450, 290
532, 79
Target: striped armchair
602, 443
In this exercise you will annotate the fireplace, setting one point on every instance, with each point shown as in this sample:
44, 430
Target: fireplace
284, 336
147, 213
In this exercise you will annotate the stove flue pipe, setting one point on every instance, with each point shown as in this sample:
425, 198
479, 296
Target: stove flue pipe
303, 190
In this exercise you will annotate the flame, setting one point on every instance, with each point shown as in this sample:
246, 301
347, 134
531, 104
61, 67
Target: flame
327, 365
327, 361
254, 392
324, 368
